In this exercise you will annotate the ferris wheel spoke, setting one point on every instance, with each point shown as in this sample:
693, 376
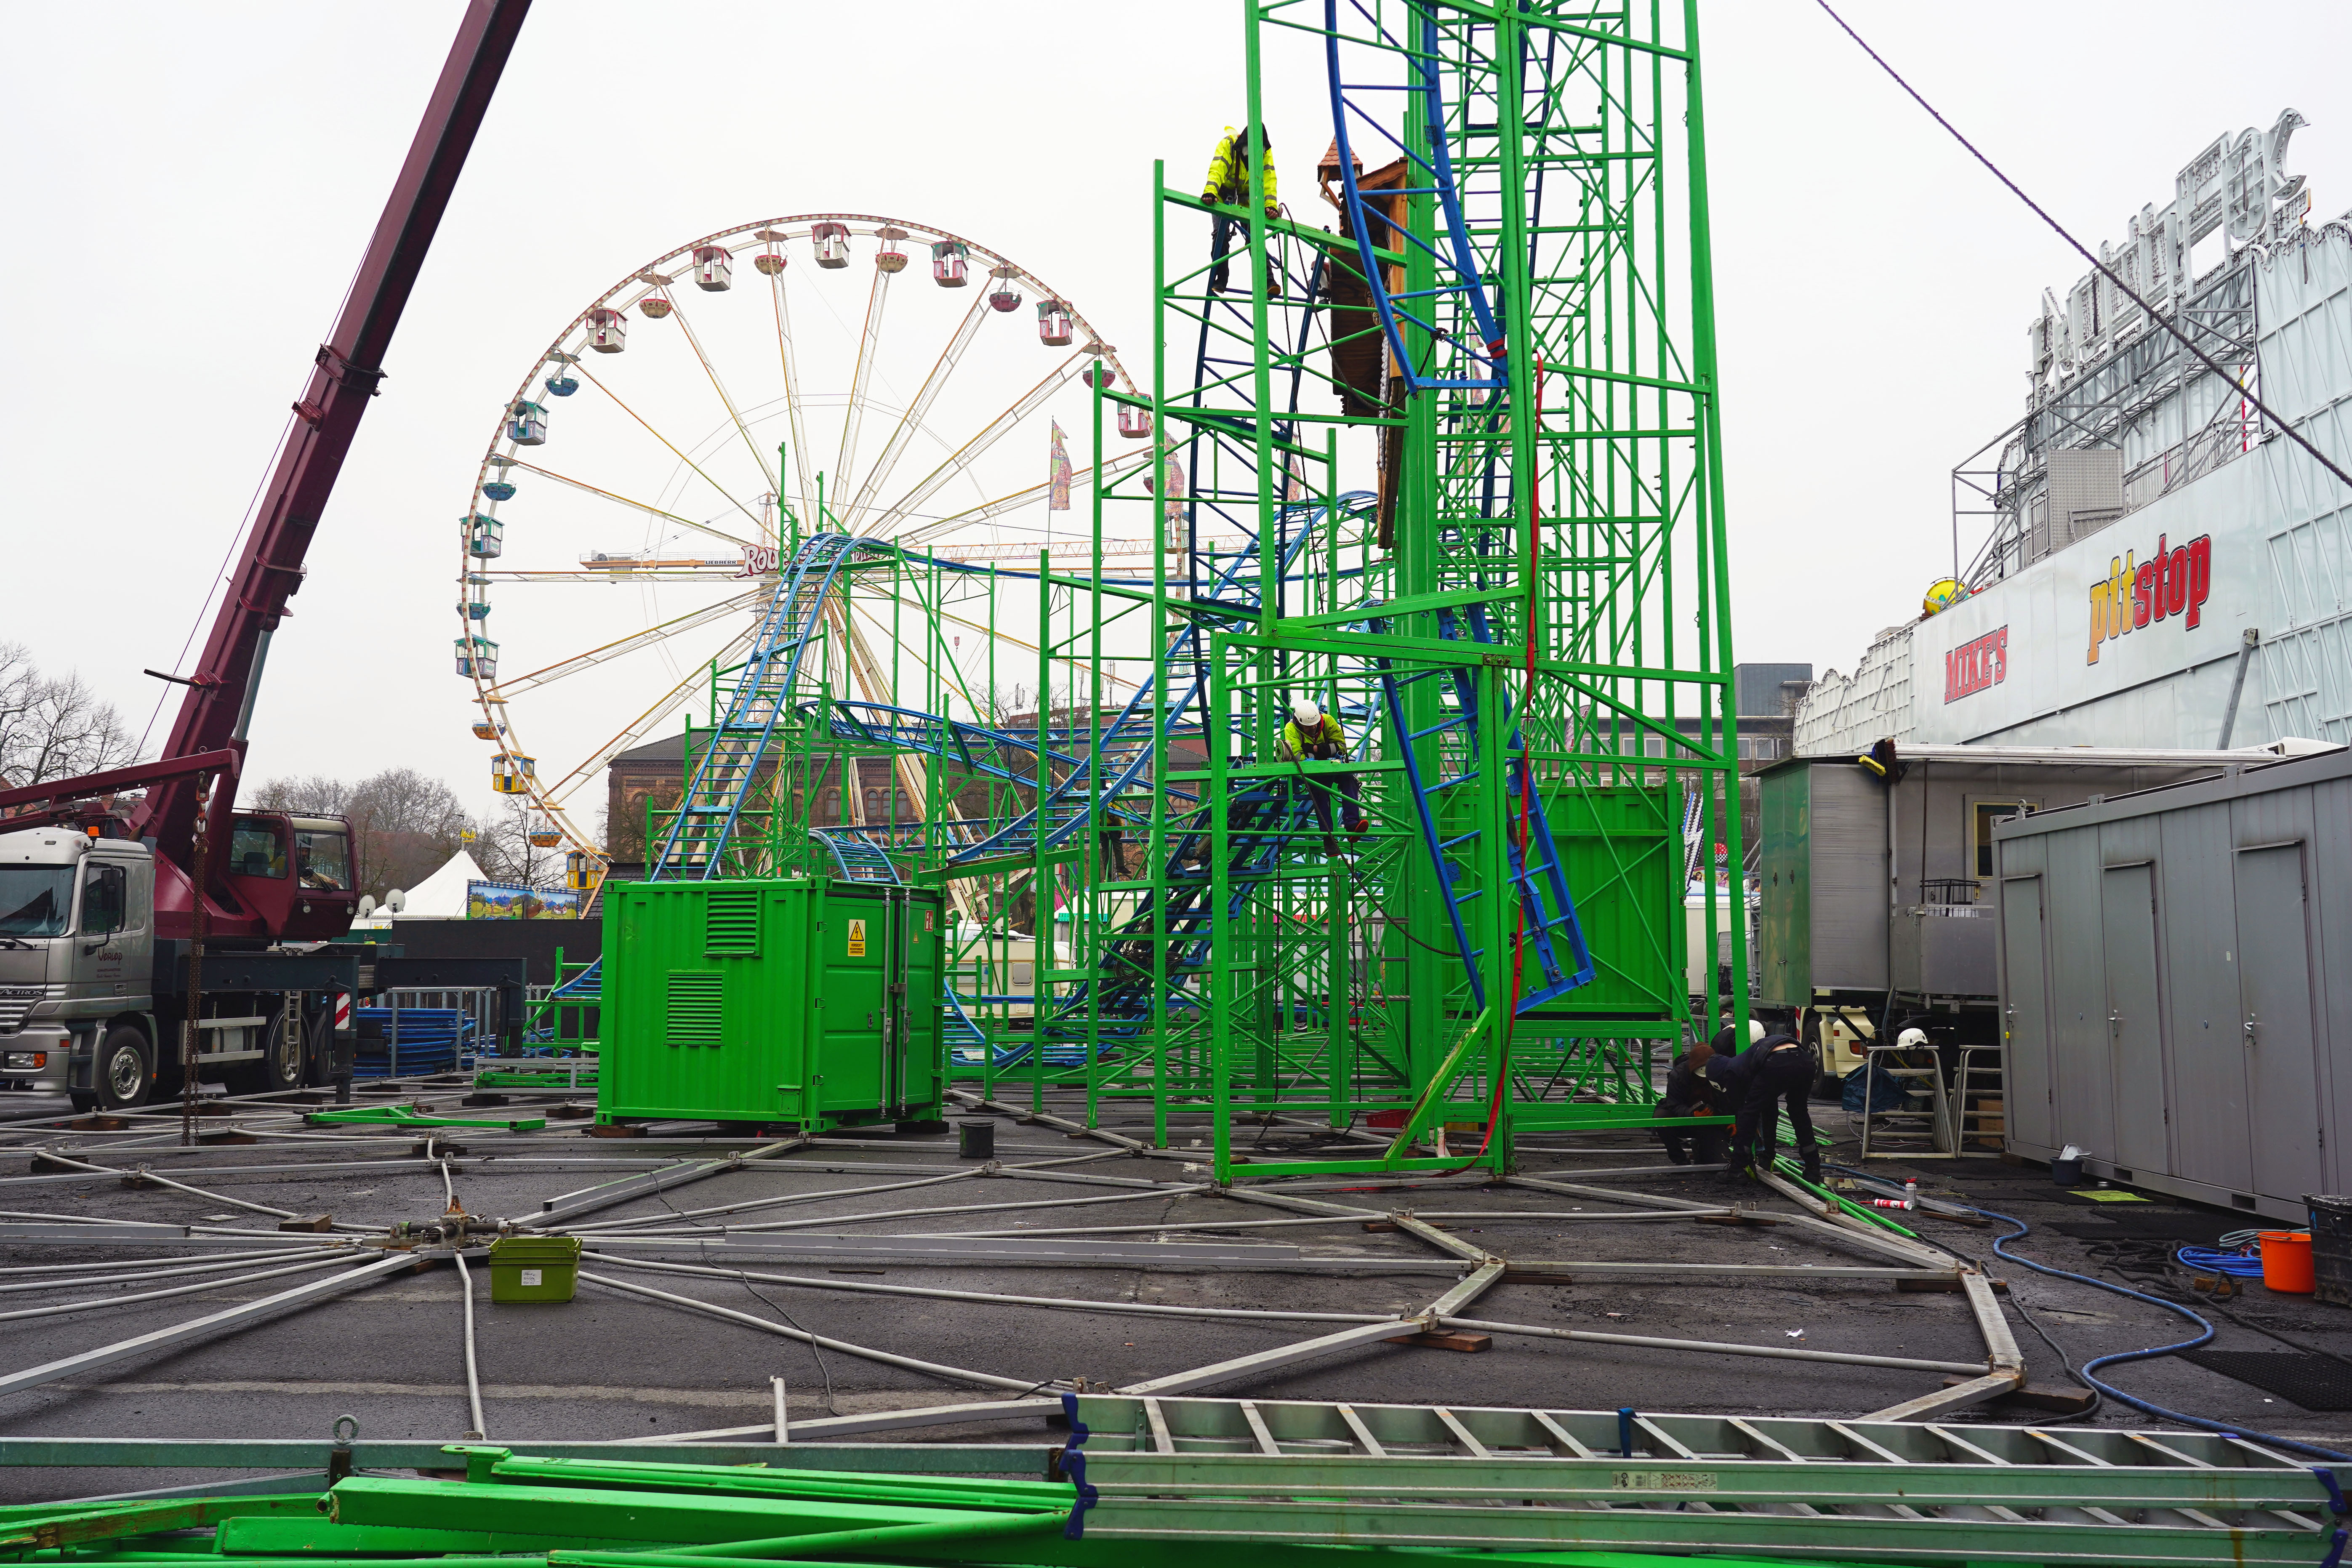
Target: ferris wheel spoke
869, 343
621, 647
792, 387
971, 452
878, 685
649, 509
695, 342
1114, 471
661, 708
665, 441
912, 420
1110, 677
949, 675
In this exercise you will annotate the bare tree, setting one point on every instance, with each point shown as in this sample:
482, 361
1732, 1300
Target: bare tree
314, 792
502, 847
54, 726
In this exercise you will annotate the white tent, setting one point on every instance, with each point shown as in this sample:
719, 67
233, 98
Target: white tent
442, 896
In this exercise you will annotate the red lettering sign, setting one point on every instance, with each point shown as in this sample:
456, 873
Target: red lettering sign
2134, 595
1975, 666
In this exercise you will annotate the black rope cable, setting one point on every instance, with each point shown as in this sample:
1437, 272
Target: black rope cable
2209, 362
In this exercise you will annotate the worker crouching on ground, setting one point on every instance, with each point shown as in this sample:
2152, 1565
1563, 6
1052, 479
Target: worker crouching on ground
1228, 185
1777, 1069
1690, 1092
1312, 732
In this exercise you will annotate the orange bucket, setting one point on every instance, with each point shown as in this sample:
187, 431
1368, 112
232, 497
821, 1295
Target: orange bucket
2286, 1261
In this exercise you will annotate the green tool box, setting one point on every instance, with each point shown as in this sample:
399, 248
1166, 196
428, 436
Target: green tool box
535, 1269
805, 1001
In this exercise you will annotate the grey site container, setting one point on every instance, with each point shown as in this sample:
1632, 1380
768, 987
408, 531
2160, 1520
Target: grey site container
2173, 967
1856, 906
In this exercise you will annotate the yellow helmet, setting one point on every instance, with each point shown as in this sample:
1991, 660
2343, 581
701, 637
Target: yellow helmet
1943, 594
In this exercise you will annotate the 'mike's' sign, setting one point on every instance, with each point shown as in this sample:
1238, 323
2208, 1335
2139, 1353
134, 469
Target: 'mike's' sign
1975, 666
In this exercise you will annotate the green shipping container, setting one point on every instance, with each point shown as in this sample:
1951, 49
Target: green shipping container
800, 1000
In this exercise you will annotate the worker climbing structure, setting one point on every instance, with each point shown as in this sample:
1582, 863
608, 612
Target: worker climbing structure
1434, 448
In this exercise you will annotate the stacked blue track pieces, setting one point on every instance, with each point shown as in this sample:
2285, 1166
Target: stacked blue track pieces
431, 1038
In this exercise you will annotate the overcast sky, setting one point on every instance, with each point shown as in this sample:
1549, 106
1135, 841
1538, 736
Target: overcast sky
190, 186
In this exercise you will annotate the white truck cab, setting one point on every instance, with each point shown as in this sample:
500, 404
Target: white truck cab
76, 960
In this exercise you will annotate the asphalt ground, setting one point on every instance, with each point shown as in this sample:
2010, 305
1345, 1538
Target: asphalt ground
610, 1366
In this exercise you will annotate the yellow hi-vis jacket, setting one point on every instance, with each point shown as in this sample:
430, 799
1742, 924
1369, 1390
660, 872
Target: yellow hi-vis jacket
1325, 742
1229, 173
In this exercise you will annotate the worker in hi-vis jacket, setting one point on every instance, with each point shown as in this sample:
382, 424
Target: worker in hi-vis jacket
1313, 733
1228, 185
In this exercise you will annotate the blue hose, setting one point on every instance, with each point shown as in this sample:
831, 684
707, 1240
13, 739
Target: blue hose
2237, 1265
2090, 1369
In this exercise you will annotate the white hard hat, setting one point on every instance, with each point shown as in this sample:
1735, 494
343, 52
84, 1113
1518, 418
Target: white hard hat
1306, 710
1755, 1032
1912, 1039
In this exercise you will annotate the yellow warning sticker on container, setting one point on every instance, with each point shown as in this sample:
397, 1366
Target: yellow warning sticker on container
858, 939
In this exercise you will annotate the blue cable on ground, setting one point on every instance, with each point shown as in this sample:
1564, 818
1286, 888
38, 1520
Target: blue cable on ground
2090, 1369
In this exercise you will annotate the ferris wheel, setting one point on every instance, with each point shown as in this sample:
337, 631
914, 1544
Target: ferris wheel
633, 507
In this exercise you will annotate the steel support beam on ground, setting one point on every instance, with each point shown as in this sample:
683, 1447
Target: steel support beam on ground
1717, 1347
677, 1217
1885, 1243
570, 1206
166, 1236
62, 1309
866, 1353
312, 1455
1959, 1396
1140, 1309
823, 1427
1046, 1252
198, 1328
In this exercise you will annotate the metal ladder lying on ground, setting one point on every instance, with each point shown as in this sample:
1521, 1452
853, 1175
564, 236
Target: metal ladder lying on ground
1153, 1482
1420, 1476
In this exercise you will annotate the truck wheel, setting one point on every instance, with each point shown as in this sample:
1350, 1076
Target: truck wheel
279, 1068
282, 1068
122, 1075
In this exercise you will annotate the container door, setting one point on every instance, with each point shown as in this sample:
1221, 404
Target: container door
2025, 1014
920, 972
2274, 992
2135, 1030
856, 943
2085, 1104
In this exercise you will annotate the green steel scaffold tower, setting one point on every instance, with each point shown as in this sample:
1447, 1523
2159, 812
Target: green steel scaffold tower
1449, 467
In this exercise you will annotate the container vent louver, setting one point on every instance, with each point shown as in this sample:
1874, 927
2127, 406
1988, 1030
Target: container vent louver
732, 922
696, 1004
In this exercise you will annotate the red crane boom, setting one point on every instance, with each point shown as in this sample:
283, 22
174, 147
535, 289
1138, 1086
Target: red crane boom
218, 707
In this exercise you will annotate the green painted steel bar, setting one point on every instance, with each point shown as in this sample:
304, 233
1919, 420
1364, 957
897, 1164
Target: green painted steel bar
397, 1116
924, 1539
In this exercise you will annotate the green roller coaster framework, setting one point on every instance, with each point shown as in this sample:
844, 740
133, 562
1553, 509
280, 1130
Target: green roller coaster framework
1541, 598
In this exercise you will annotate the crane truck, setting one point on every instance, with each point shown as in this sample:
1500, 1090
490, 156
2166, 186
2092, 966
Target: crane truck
140, 910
